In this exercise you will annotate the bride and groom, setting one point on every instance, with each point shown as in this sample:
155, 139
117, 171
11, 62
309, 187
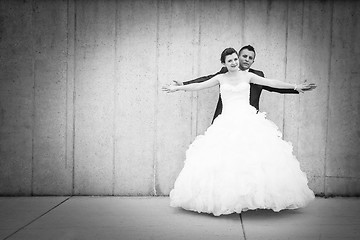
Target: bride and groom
241, 161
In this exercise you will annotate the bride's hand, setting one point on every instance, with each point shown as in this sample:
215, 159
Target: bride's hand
305, 86
169, 88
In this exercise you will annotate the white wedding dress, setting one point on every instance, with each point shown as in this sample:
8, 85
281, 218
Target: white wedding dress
240, 163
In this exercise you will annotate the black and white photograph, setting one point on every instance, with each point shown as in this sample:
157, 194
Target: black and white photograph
179, 119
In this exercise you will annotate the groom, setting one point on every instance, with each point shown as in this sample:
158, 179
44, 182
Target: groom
246, 59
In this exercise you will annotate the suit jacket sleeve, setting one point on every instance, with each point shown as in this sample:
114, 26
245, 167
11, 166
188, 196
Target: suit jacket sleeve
205, 78
278, 90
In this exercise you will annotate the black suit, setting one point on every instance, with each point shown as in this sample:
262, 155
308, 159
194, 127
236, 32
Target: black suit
255, 89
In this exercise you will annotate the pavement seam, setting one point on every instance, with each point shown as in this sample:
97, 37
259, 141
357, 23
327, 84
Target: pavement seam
12, 234
242, 226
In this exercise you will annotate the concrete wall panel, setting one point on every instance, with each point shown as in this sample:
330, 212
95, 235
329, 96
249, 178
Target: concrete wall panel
136, 90
342, 186
16, 98
295, 72
265, 29
52, 171
94, 98
315, 61
212, 42
178, 29
81, 106
343, 138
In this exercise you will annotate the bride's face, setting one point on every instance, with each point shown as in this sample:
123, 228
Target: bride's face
232, 62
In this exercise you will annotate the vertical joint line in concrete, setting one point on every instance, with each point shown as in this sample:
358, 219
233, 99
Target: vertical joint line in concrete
301, 73
328, 92
115, 102
33, 98
243, 24
156, 101
74, 103
67, 83
35, 219
195, 68
198, 71
286, 51
242, 226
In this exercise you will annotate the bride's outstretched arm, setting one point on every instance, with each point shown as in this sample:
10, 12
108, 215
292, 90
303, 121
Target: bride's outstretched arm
280, 84
192, 87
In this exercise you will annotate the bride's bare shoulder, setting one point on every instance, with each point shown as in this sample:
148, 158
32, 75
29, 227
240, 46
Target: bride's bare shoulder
221, 77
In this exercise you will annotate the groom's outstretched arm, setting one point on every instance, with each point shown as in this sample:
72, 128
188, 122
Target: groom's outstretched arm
278, 90
282, 91
304, 87
205, 78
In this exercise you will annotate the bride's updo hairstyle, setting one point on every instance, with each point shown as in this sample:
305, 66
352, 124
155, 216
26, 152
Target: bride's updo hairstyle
226, 52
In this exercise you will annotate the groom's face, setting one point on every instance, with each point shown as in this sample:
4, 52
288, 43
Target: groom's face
246, 59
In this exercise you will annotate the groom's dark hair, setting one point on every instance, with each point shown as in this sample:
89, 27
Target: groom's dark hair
248, 47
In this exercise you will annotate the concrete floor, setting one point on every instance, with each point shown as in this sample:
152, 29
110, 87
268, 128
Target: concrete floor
128, 218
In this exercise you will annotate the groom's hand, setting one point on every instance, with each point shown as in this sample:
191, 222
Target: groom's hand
177, 83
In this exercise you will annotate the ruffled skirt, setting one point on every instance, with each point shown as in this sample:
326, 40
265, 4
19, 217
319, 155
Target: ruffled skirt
240, 163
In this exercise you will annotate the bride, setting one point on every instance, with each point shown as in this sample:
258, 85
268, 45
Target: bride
241, 161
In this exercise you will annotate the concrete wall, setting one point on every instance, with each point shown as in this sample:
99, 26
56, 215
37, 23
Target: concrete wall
81, 106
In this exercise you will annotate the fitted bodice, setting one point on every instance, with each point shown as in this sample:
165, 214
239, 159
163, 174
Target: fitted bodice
235, 95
